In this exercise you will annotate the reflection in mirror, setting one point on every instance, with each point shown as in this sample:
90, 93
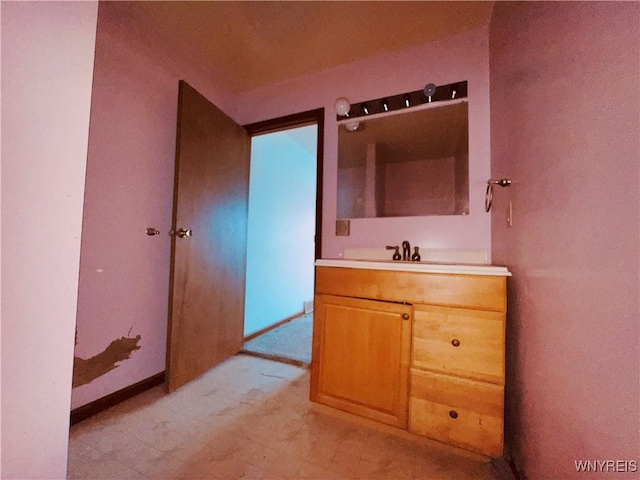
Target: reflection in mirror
413, 163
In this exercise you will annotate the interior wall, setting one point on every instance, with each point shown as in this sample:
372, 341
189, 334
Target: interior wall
350, 192
565, 118
420, 186
123, 292
282, 216
47, 67
464, 57
124, 274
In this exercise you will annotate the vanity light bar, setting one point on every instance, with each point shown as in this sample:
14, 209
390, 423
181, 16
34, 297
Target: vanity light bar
353, 125
451, 91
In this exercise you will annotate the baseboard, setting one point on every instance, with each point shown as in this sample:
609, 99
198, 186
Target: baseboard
515, 465
516, 469
272, 327
308, 306
90, 409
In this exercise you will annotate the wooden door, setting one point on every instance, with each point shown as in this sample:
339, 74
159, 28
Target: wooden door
361, 351
206, 306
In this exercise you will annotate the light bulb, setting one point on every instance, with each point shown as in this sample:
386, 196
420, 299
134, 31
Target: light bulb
352, 126
342, 106
429, 90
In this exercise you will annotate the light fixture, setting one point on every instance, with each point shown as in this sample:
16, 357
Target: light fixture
352, 126
342, 106
428, 94
429, 90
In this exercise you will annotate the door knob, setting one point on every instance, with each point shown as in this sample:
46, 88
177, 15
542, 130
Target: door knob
181, 232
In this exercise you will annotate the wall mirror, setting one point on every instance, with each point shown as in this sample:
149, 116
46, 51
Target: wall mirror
412, 162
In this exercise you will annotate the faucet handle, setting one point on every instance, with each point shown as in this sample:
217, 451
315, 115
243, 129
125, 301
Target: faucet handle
396, 254
416, 256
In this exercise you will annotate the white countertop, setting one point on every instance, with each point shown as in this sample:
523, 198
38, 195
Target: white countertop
425, 267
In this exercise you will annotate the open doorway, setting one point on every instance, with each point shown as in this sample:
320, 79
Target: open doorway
283, 226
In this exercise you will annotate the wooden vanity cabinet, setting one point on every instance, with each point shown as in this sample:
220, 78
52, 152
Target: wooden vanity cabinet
419, 351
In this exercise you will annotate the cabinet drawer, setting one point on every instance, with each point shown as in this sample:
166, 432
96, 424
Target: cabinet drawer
457, 411
469, 343
467, 291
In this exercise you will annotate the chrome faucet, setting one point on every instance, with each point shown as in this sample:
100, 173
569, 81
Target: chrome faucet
406, 251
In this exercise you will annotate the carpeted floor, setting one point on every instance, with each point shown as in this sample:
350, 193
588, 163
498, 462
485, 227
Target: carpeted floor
290, 343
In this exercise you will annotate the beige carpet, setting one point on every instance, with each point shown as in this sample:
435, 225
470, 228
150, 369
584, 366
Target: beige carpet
290, 343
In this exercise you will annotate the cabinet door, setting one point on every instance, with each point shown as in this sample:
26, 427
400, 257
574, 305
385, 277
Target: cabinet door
361, 352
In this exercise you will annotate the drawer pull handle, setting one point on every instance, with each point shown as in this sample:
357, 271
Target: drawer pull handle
455, 342
405, 316
453, 414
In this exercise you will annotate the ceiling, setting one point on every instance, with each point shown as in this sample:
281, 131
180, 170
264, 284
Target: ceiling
251, 44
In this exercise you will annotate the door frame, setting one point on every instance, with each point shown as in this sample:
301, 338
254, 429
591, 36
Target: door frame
299, 120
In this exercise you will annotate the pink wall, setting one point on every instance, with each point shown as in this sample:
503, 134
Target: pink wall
565, 79
350, 186
464, 57
420, 186
124, 274
47, 66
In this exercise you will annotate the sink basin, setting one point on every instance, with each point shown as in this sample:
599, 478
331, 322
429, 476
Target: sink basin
422, 266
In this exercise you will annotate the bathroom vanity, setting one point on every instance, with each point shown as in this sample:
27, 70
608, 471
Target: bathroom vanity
416, 346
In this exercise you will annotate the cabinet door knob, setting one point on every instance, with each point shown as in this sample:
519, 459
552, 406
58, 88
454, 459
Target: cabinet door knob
455, 342
453, 414
405, 316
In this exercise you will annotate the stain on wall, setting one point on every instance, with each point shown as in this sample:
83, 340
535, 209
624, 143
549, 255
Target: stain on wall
87, 370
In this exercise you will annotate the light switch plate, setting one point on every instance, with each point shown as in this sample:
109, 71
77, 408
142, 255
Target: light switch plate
343, 228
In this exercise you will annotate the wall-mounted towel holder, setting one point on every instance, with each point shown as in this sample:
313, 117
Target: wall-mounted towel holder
488, 196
